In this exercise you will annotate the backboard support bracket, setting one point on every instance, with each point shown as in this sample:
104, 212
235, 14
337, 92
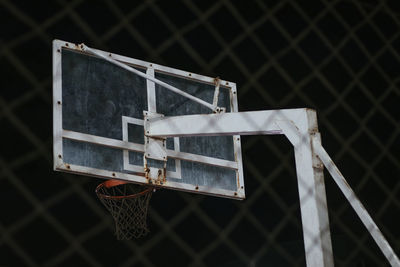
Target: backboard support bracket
154, 149
156, 176
148, 77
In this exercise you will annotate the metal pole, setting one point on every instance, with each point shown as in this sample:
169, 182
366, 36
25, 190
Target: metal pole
356, 204
312, 194
300, 127
296, 124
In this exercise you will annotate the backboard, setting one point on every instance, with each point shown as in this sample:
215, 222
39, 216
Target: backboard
99, 112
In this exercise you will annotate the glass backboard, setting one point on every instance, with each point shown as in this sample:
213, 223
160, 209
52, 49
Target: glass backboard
98, 123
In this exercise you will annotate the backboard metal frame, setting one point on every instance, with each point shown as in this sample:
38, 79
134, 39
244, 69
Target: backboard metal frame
59, 133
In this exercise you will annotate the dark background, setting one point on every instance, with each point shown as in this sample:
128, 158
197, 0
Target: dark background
340, 57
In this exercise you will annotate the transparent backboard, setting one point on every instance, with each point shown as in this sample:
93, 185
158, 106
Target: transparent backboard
98, 123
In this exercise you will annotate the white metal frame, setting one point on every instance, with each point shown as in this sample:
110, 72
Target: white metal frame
300, 127
137, 174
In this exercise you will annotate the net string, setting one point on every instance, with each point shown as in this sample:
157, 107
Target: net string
128, 204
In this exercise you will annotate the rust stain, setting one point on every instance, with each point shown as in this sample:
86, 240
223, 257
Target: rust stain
318, 166
161, 176
165, 174
156, 137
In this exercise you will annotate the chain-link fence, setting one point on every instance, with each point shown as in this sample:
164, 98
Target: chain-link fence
339, 57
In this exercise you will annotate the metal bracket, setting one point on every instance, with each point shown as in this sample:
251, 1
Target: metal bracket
155, 149
85, 48
219, 110
156, 176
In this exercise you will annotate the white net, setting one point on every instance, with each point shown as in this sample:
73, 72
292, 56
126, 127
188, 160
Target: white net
128, 204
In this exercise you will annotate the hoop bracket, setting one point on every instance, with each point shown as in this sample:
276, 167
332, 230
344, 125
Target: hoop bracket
154, 149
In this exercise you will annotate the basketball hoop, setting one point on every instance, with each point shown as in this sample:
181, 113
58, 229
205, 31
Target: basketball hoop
128, 204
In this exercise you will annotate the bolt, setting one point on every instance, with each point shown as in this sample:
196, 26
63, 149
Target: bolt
66, 44
190, 74
109, 55
59, 102
197, 187
227, 83
151, 65
59, 156
148, 154
241, 187
238, 139
68, 167
234, 92
58, 50
235, 194
113, 174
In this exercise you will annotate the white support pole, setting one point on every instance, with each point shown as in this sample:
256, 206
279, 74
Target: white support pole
300, 127
312, 194
231, 123
151, 92
314, 214
356, 204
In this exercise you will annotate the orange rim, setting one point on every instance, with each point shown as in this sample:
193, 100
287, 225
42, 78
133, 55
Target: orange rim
115, 182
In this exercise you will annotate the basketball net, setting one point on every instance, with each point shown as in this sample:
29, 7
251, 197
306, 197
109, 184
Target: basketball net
128, 204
